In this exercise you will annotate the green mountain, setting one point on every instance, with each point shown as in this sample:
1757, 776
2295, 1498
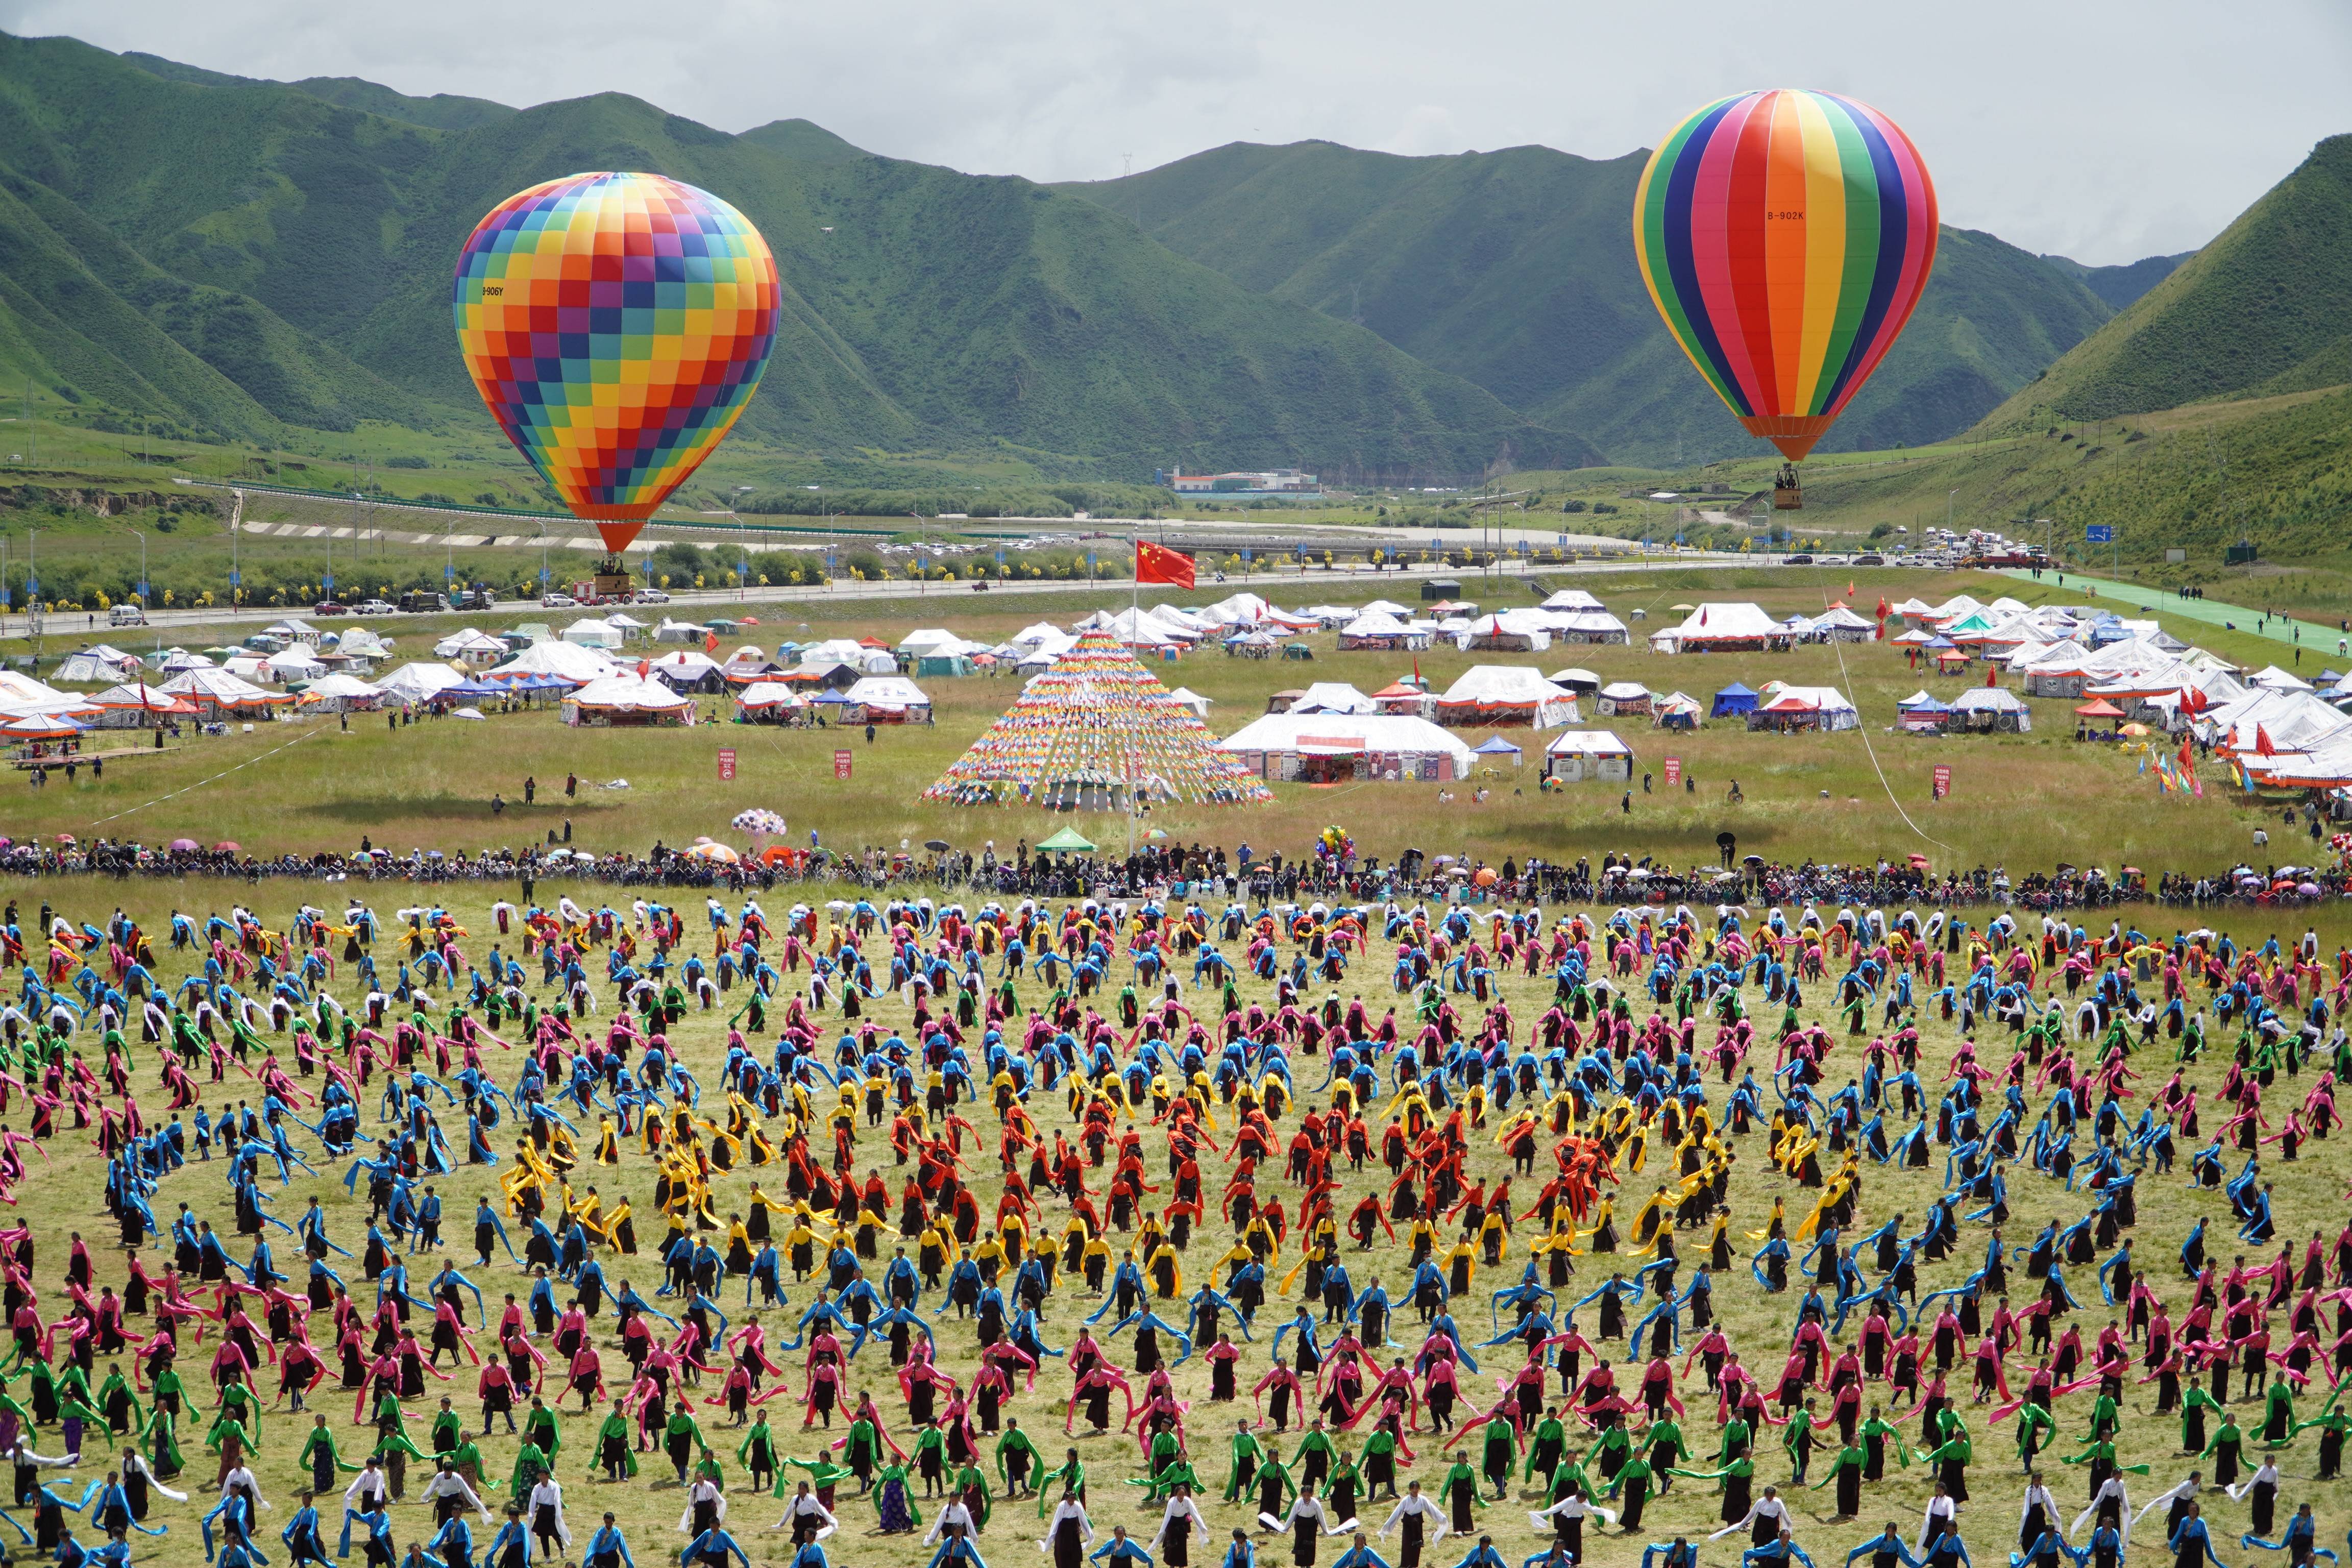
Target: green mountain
442, 111
2266, 307
1514, 269
923, 308
2119, 286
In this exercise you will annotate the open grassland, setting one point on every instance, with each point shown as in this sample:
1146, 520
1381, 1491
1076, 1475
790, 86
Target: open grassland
2027, 802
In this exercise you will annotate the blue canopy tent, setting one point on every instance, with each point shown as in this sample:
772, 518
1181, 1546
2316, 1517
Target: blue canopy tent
1496, 746
1732, 701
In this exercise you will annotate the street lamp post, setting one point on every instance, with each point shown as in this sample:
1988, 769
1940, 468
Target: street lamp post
143, 571
1948, 508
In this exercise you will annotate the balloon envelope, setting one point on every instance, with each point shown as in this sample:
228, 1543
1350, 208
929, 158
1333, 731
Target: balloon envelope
1785, 236
617, 325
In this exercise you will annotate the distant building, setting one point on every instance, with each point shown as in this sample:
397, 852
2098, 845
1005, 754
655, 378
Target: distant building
1239, 486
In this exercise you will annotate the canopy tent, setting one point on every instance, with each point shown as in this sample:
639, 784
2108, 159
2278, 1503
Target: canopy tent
886, 699
1327, 748
689, 669
1509, 631
572, 662
216, 692
1575, 755
92, 665
625, 697
1332, 697
1571, 599
137, 705
1732, 701
1066, 841
1803, 708
1726, 628
1623, 697
1089, 729
593, 633
2099, 708
340, 693
769, 694
1675, 710
418, 682
1496, 695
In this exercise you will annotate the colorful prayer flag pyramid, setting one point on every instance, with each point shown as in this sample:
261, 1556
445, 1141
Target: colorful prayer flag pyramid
1098, 718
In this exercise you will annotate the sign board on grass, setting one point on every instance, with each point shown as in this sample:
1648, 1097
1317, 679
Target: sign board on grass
726, 764
1943, 780
1673, 772
840, 764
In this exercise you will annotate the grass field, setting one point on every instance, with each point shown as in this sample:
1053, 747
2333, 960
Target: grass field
61, 1195
2024, 801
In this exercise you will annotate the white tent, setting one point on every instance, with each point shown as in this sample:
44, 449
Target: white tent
593, 633
22, 694
768, 694
1571, 599
214, 690
1575, 755
622, 696
1585, 625
477, 648
1510, 631
1626, 697
1380, 630
688, 667
568, 661
340, 693
1501, 694
1333, 697
1376, 745
1724, 628
1783, 706
92, 666
1186, 696
297, 663
418, 682
884, 699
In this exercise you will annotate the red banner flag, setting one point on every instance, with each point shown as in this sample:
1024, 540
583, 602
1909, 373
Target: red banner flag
1157, 564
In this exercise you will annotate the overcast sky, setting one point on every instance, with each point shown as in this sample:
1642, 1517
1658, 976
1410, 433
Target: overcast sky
2098, 128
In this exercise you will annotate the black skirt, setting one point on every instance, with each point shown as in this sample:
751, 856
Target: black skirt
1303, 1535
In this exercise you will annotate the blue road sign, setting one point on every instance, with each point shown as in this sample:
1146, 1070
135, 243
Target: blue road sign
2099, 533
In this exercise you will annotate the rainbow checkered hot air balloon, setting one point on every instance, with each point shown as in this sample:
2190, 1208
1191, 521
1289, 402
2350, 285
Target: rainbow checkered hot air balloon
1785, 236
617, 325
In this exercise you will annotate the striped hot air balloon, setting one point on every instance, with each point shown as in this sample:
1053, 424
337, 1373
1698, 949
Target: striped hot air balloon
617, 325
1785, 236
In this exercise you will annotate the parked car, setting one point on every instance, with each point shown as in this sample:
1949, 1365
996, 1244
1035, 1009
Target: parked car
1870, 560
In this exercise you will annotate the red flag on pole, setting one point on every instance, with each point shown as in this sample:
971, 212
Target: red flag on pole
2262, 747
1993, 674
1157, 563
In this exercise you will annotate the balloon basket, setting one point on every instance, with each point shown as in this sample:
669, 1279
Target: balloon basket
1788, 498
612, 579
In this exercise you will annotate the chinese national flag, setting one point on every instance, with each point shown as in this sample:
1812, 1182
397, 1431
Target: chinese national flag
1157, 563
2262, 746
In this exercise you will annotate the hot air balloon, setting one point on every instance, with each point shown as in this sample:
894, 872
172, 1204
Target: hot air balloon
1785, 236
617, 325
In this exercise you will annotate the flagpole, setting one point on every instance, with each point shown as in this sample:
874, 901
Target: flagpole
1135, 614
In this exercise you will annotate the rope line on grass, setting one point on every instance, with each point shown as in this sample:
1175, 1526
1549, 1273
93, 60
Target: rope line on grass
132, 811
1870, 750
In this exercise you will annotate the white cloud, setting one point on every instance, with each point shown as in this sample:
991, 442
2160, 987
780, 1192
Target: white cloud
2105, 130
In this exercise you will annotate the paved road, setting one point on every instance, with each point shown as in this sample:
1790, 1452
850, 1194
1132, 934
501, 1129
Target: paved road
2322, 637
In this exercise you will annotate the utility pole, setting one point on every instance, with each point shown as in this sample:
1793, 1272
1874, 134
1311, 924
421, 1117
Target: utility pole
142, 570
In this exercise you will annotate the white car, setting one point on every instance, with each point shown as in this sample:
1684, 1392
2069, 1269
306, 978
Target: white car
652, 596
372, 607
557, 601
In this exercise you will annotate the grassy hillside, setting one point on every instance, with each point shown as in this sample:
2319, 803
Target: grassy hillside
2120, 286
924, 308
2266, 307
1516, 269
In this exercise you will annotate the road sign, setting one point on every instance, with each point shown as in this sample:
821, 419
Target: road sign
840, 764
2099, 533
726, 764
1673, 772
1943, 780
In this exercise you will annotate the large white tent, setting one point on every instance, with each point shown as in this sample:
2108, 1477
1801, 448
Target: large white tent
1324, 745
1505, 694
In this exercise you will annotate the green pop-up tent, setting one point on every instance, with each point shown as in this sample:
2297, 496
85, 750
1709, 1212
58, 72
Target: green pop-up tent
1067, 839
